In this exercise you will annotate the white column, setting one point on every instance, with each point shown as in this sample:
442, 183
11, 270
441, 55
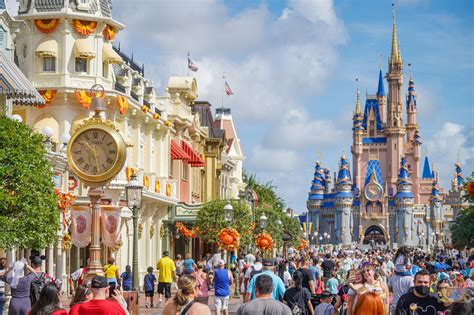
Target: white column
50, 257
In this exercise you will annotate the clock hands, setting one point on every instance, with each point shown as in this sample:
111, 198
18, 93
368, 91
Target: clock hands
94, 152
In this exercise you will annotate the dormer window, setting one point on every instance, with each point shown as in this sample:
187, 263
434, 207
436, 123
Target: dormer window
49, 64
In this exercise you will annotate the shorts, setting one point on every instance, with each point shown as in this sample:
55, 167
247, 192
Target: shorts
221, 302
149, 293
164, 288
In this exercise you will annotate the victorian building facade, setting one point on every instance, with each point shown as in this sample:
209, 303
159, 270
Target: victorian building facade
386, 199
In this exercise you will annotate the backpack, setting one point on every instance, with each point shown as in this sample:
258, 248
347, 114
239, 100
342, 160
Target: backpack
36, 286
297, 309
254, 272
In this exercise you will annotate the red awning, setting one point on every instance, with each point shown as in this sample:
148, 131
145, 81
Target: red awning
195, 159
177, 153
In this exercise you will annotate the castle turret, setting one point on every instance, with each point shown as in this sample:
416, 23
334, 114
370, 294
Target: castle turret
436, 206
395, 130
357, 135
316, 196
327, 180
382, 98
454, 198
343, 204
404, 201
412, 124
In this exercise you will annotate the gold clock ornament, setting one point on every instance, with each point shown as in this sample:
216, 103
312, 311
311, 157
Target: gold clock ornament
96, 152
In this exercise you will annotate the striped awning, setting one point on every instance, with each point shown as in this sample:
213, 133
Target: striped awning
177, 153
195, 159
16, 86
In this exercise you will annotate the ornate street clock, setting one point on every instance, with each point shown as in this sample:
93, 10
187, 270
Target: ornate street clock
96, 151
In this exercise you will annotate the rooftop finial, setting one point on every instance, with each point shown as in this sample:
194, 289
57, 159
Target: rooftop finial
381, 60
395, 57
411, 71
358, 110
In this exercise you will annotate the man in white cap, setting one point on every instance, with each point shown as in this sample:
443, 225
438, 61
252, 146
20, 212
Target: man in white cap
222, 281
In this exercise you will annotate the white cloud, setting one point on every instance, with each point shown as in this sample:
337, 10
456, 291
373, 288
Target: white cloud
445, 145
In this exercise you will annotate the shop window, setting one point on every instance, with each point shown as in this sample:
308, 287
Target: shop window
81, 65
49, 64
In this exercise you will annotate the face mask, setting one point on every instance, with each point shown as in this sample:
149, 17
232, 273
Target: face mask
422, 290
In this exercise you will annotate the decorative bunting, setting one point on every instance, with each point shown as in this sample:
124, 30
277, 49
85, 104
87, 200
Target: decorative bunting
46, 25
109, 32
83, 98
123, 104
168, 123
157, 186
48, 96
146, 181
84, 27
156, 116
129, 171
145, 108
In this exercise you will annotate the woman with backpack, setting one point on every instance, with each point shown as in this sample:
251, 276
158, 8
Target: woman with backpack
297, 297
48, 302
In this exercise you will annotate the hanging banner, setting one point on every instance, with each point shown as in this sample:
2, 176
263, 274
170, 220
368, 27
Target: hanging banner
110, 219
81, 226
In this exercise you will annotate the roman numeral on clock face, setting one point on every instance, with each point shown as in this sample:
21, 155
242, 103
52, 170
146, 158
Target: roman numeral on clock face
86, 167
95, 134
80, 161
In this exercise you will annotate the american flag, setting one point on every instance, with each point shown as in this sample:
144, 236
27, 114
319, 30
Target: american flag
192, 66
227, 89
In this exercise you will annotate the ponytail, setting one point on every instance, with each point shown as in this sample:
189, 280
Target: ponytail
186, 286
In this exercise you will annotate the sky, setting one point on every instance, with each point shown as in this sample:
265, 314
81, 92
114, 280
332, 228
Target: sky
292, 66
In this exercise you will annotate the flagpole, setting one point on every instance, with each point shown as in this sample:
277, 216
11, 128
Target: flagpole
223, 88
188, 62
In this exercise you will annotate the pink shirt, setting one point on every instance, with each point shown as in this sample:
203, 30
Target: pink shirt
203, 286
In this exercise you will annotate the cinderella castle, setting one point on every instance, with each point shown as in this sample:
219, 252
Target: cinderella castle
385, 199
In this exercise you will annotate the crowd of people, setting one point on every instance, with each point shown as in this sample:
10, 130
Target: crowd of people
321, 281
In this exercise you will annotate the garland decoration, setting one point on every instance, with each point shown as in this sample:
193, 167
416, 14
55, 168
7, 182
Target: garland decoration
168, 123
185, 231
122, 102
145, 108
470, 189
66, 243
109, 32
302, 245
48, 96
64, 201
228, 239
46, 26
84, 27
156, 116
83, 98
264, 241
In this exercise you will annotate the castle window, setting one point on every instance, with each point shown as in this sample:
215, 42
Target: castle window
81, 65
372, 128
49, 64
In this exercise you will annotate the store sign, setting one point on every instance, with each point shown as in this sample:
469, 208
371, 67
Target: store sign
186, 212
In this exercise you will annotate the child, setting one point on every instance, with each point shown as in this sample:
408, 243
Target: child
149, 286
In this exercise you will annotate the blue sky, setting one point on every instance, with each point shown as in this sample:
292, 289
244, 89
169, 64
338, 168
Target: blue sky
292, 65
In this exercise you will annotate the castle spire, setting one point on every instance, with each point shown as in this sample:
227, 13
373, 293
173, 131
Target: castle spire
395, 56
381, 88
358, 110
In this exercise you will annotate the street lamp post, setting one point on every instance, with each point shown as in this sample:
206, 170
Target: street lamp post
229, 217
134, 193
315, 237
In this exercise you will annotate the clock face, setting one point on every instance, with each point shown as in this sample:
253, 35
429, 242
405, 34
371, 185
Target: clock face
94, 152
373, 192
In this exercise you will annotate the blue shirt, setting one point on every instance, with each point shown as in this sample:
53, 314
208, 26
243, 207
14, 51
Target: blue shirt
126, 281
315, 272
278, 286
221, 282
149, 282
188, 265
332, 285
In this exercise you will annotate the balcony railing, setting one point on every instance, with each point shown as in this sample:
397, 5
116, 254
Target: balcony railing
119, 87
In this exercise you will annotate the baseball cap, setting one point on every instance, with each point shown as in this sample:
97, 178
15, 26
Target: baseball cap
99, 282
268, 262
221, 262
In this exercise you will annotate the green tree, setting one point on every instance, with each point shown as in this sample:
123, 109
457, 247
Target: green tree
462, 232
210, 220
28, 209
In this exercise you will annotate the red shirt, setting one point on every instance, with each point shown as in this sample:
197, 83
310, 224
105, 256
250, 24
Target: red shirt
58, 312
100, 307
74, 310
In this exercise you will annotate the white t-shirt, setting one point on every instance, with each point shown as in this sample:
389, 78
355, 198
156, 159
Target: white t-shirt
286, 278
250, 259
258, 266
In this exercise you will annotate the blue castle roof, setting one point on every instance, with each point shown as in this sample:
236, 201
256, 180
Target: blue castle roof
459, 178
404, 183
372, 104
417, 137
427, 173
344, 174
373, 166
404, 174
411, 97
380, 89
